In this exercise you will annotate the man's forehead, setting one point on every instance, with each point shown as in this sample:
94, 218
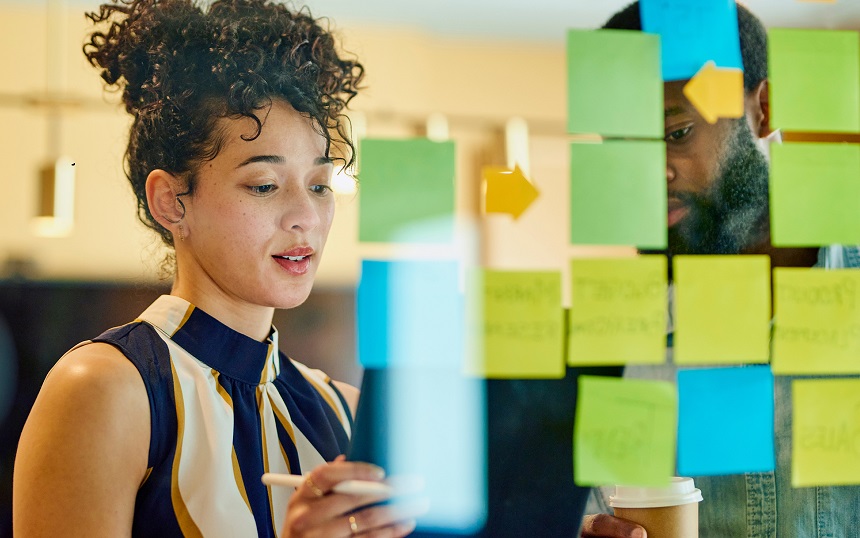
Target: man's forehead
675, 102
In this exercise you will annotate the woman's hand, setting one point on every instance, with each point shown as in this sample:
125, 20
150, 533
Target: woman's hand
606, 526
315, 510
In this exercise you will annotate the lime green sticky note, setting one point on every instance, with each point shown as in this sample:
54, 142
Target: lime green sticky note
722, 309
618, 311
406, 192
816, 321
814, 80
603, 66
521, 323
618, 193
814, 189
825, 428
624, 432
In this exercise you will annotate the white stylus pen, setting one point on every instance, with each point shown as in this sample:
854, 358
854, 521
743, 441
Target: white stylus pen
350, 487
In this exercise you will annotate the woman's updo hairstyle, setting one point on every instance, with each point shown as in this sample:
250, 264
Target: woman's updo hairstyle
182, 67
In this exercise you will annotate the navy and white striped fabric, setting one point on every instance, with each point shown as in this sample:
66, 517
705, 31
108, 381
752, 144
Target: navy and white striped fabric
224, 410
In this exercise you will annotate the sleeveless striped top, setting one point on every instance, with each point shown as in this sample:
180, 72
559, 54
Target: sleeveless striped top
224, 410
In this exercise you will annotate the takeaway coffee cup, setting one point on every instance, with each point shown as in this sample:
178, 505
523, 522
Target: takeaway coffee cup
665, 512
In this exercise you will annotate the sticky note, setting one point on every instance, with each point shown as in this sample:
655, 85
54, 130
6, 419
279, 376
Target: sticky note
693, 32
814, 188
825, 431
618, 193
814, 78
603, 66
725, 421
722, 309
624, 432
521, 324
407, 191
717, 92
816, 321
618, 311
410, 313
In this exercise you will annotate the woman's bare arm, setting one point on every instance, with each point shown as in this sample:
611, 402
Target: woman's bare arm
84, 449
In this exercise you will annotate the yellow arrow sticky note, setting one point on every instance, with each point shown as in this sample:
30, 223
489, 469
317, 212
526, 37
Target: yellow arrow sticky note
722, 309
508, 191
717, 92
817, 321
519, 317
825, 432
618, 311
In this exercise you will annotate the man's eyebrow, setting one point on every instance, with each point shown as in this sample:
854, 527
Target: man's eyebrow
675, 110
277, 159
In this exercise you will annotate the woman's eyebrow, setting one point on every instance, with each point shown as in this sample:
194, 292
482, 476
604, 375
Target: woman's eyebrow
277, 159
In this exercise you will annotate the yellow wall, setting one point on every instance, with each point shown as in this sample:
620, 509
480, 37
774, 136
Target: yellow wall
410, 74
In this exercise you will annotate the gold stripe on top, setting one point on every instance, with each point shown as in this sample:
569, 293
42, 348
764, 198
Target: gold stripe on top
220, 388
240, 483
186, 524
260, 396
187, 315
145, 477
264, 375
326, 396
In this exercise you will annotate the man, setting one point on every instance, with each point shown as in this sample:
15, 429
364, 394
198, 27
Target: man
717, 179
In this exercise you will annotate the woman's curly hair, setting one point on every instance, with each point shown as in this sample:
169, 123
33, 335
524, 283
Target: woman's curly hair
182, 67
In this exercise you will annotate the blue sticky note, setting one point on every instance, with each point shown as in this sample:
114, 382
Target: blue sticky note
693, 32
725, 421
410, 313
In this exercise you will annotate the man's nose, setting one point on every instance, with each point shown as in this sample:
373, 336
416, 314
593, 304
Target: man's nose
670, 173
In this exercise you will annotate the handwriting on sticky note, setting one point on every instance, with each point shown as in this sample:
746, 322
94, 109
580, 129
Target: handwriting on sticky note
618, 311
817, 321
826, 432
522, 324
624, 431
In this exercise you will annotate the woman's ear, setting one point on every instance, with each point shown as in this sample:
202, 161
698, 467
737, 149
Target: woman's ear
757, 108
162, 190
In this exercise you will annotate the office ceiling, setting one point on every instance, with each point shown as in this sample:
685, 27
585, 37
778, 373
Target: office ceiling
532, 20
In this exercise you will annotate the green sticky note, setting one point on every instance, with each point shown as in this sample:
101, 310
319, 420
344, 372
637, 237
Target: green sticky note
722, 309
617, 311
816, 321
603, 68
624, 432
618, 193
814, 80
519, 323
814, 193
406, 192
826, 415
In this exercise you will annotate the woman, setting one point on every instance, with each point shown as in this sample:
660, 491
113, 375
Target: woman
164, 426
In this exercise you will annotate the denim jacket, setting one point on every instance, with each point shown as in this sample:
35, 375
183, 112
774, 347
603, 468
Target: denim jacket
765, 505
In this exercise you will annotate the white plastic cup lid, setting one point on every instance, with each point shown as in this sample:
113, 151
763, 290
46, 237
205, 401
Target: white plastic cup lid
680, 491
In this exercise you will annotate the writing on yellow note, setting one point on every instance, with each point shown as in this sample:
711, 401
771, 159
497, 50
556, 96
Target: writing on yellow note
519, 323
816, 321
618, 311
826, 432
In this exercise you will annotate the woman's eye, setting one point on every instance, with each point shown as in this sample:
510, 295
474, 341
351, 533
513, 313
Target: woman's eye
678, 134
260, 190
321, 189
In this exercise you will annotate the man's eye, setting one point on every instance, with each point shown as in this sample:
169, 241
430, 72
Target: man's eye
262, 189
322, 190
678, 134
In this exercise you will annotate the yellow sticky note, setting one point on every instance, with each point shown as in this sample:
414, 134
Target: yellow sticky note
722, 309
825, 432
618, 311
519, 322
717, 92
508, 191
816, 321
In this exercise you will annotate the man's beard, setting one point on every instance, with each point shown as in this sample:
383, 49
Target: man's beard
732, 215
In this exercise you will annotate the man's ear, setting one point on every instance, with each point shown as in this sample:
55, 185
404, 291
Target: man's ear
162, 189
757, 108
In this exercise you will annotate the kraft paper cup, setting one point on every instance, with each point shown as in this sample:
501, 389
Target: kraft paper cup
665, 512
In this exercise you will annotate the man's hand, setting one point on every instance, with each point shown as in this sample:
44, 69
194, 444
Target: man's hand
606, 526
